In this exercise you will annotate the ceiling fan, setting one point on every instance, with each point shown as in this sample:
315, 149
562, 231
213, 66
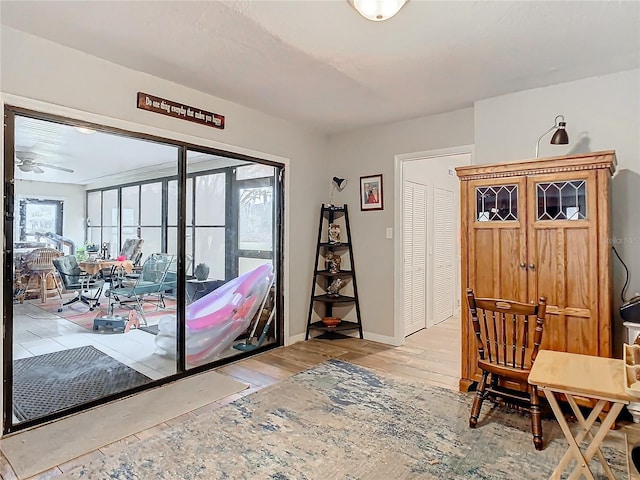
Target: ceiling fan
26, 161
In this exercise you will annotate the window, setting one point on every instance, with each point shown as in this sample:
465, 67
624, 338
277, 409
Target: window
255, 215
38, 217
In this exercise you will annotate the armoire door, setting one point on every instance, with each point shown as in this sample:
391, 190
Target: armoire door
497, 238
562, 259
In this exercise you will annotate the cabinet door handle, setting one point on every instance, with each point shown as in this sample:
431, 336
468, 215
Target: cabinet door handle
532, 266
523, 265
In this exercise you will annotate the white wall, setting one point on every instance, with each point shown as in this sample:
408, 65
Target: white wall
41, 70
73, 197
602, 113
371, 151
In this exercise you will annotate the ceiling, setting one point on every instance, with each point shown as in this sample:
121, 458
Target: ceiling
319, 63
96, 158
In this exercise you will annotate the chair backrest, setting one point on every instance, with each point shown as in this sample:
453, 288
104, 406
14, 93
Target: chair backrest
132, 249
508, 332
156, 268
42, 259
69, 270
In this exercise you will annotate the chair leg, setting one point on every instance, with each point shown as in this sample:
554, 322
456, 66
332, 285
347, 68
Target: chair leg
536, 419
92, 301
477, 401
139, 304
69, 302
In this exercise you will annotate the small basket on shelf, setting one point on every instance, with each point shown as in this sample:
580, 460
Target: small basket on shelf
331, 321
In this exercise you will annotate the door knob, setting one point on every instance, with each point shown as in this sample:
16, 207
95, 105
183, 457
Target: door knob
523, 265
532, 266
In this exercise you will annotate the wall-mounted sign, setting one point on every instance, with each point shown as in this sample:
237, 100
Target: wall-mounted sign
179, 110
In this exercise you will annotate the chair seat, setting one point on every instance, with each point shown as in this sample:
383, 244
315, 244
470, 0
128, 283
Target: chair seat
516, 374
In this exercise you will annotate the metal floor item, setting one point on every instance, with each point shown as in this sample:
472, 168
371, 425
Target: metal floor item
48, 383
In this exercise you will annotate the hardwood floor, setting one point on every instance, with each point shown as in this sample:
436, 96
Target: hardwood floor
431, 355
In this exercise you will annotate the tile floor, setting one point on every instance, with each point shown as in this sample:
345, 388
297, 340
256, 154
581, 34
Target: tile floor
37, 332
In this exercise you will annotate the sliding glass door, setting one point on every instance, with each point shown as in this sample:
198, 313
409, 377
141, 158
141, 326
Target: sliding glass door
134, 260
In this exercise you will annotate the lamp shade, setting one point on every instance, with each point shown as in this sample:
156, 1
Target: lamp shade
560, 137
340, 183
377, 10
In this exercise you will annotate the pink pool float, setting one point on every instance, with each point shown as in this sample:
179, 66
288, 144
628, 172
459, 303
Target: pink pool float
214, 321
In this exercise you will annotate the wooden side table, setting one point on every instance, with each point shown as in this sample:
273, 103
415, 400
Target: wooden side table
597, 378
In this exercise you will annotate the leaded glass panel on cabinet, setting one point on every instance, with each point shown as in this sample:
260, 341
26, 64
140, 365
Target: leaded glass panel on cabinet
562, 200
497, 203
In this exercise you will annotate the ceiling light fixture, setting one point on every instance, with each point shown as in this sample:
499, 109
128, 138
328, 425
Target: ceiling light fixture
377, 10
560, 137
85, 130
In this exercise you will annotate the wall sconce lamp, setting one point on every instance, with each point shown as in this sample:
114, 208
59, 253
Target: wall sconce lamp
377, 10
337, 183
560, 137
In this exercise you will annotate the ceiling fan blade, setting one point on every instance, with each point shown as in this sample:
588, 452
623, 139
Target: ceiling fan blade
37, 169
55, 167
25, 155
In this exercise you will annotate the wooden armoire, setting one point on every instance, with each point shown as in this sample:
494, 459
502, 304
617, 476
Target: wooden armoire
540, 228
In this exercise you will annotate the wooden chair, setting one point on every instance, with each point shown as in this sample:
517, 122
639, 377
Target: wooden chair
508, 336
39, 269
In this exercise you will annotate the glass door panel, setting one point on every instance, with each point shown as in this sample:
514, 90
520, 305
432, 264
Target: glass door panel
229, 215
64, 367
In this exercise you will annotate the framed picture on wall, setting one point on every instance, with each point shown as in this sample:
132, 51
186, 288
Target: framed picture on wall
371, 192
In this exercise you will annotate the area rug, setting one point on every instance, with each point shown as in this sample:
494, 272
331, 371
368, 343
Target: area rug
80, 314
342, 421
52, 382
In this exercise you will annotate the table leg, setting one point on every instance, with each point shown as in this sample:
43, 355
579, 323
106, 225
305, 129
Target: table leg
574, 448
595, 441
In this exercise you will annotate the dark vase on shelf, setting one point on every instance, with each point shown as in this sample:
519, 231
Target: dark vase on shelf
202, 271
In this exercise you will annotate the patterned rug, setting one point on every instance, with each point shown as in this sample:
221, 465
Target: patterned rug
48, 383
80, 314
342, 421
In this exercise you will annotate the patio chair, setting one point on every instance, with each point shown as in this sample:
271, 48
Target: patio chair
131, 250
158, 276
88, 287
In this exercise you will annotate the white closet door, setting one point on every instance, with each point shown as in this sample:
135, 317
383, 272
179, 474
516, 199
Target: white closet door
444, 241
414, 254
